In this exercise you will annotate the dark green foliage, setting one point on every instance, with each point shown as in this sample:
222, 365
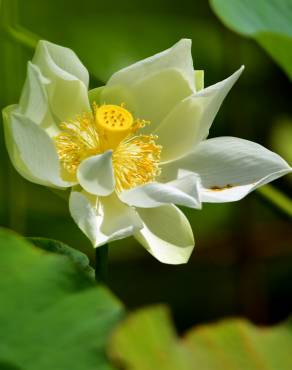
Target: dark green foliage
52, 315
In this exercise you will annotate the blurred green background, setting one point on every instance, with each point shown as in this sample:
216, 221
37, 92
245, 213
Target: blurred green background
242, 263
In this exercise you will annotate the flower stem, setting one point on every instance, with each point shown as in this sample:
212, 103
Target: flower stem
101, 263
10, 27
22, 36
277, 198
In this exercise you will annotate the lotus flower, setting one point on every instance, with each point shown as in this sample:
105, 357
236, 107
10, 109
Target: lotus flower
134, 148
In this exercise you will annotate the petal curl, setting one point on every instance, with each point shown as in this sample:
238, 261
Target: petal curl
178, 57
95, 174
230, 168
34, 103
103, 219
166, 234
189, 122
12, 149
32, 151
182, 191
68, 77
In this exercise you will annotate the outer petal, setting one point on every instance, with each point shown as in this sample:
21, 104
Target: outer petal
182, 191
166, 234
95, 174
34, 102
12, 149
189, 122
178, 57
69, 79
103, 219
151, 87
230, 168
31, 150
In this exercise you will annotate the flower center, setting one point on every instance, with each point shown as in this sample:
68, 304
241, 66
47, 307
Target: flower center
114, 123
135, 156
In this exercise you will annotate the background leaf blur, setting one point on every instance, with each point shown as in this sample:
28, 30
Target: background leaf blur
268, 22
230, 344
52, 315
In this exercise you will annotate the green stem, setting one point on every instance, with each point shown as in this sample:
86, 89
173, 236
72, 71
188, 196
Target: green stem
277, 198
22, 36
9, 25
101, 263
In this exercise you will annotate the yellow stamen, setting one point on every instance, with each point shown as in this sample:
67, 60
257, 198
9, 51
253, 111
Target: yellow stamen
135, 157
136, 161
78, 141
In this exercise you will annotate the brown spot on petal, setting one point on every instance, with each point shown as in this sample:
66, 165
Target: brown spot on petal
220, 188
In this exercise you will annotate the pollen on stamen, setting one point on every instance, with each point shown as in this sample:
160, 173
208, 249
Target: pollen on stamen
136, 162
78, 141
135, 157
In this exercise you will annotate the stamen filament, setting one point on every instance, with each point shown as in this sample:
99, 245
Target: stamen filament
135, 157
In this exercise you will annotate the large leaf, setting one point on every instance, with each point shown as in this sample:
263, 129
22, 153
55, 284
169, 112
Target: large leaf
52, 315
55, 246
268, 22
147, 341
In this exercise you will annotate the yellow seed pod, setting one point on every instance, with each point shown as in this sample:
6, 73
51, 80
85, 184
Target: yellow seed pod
114, 123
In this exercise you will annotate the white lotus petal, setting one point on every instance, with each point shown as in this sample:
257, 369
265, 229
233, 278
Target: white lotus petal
69, 80
230, 168
34, 100
237, 192
150, 99
103, 219
157, 94
189, 122
59, 60
182, 191
178, 57
12, 149
95, 174
151, 87
33, 151
166, 234
118, 94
